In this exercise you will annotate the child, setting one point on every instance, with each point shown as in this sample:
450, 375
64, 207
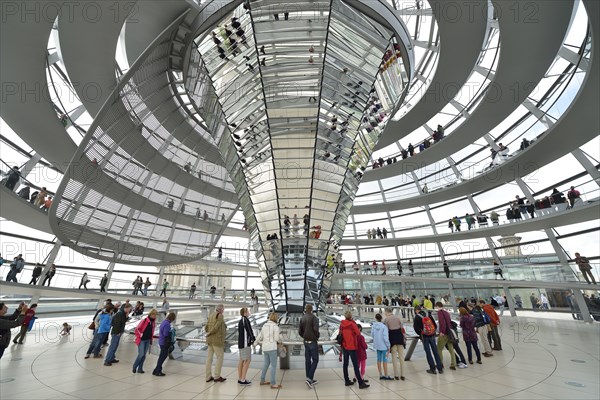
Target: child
381, 343
361, 353
66, 330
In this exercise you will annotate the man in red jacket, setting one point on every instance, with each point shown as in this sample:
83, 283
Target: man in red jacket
495, 321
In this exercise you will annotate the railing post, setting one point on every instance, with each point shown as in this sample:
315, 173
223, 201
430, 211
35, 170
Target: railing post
583, 308
510, 301
452, 297
50, 261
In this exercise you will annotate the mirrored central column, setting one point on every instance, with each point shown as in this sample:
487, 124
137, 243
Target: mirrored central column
305, 92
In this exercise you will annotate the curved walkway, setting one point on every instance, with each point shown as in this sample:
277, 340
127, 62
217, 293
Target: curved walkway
29, 111
559, 218
460, 47
88, 49
519, 41
541, 359
556, 142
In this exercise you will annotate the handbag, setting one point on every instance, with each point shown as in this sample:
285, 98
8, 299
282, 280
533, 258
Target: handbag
281, 350
339, 338
452, 334
92, 326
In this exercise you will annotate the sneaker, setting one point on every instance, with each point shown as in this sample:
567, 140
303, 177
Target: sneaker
462, 366
314, 382
247, 382
309, 383
241, 382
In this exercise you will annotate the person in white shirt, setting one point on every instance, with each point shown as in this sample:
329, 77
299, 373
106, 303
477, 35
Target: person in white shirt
269, 338
544, 301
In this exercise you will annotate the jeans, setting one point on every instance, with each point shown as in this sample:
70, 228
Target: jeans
145, 291
97, 341
351, 354
459, 353
270, 359
311, 359
431, 352
143, 349
469, 352
112, 349
164, 352
12, 276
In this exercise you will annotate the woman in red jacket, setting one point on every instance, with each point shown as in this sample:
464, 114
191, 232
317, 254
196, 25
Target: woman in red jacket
144, 333
350, 332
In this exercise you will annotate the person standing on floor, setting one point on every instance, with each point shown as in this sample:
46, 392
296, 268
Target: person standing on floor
192, 290
425, 328
164, 341
397, 337
482, 321
269, 338
118, 327
309, 331
215, 339
144, 332
381, 344
245, 341
29, 315
494, 322
349, 331
7, 322
467, 323
444, 340
361, 355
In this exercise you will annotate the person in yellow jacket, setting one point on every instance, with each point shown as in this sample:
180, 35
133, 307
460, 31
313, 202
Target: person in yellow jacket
427, 304
215, 339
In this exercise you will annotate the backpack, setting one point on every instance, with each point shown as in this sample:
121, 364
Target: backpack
486, 318
428, 327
